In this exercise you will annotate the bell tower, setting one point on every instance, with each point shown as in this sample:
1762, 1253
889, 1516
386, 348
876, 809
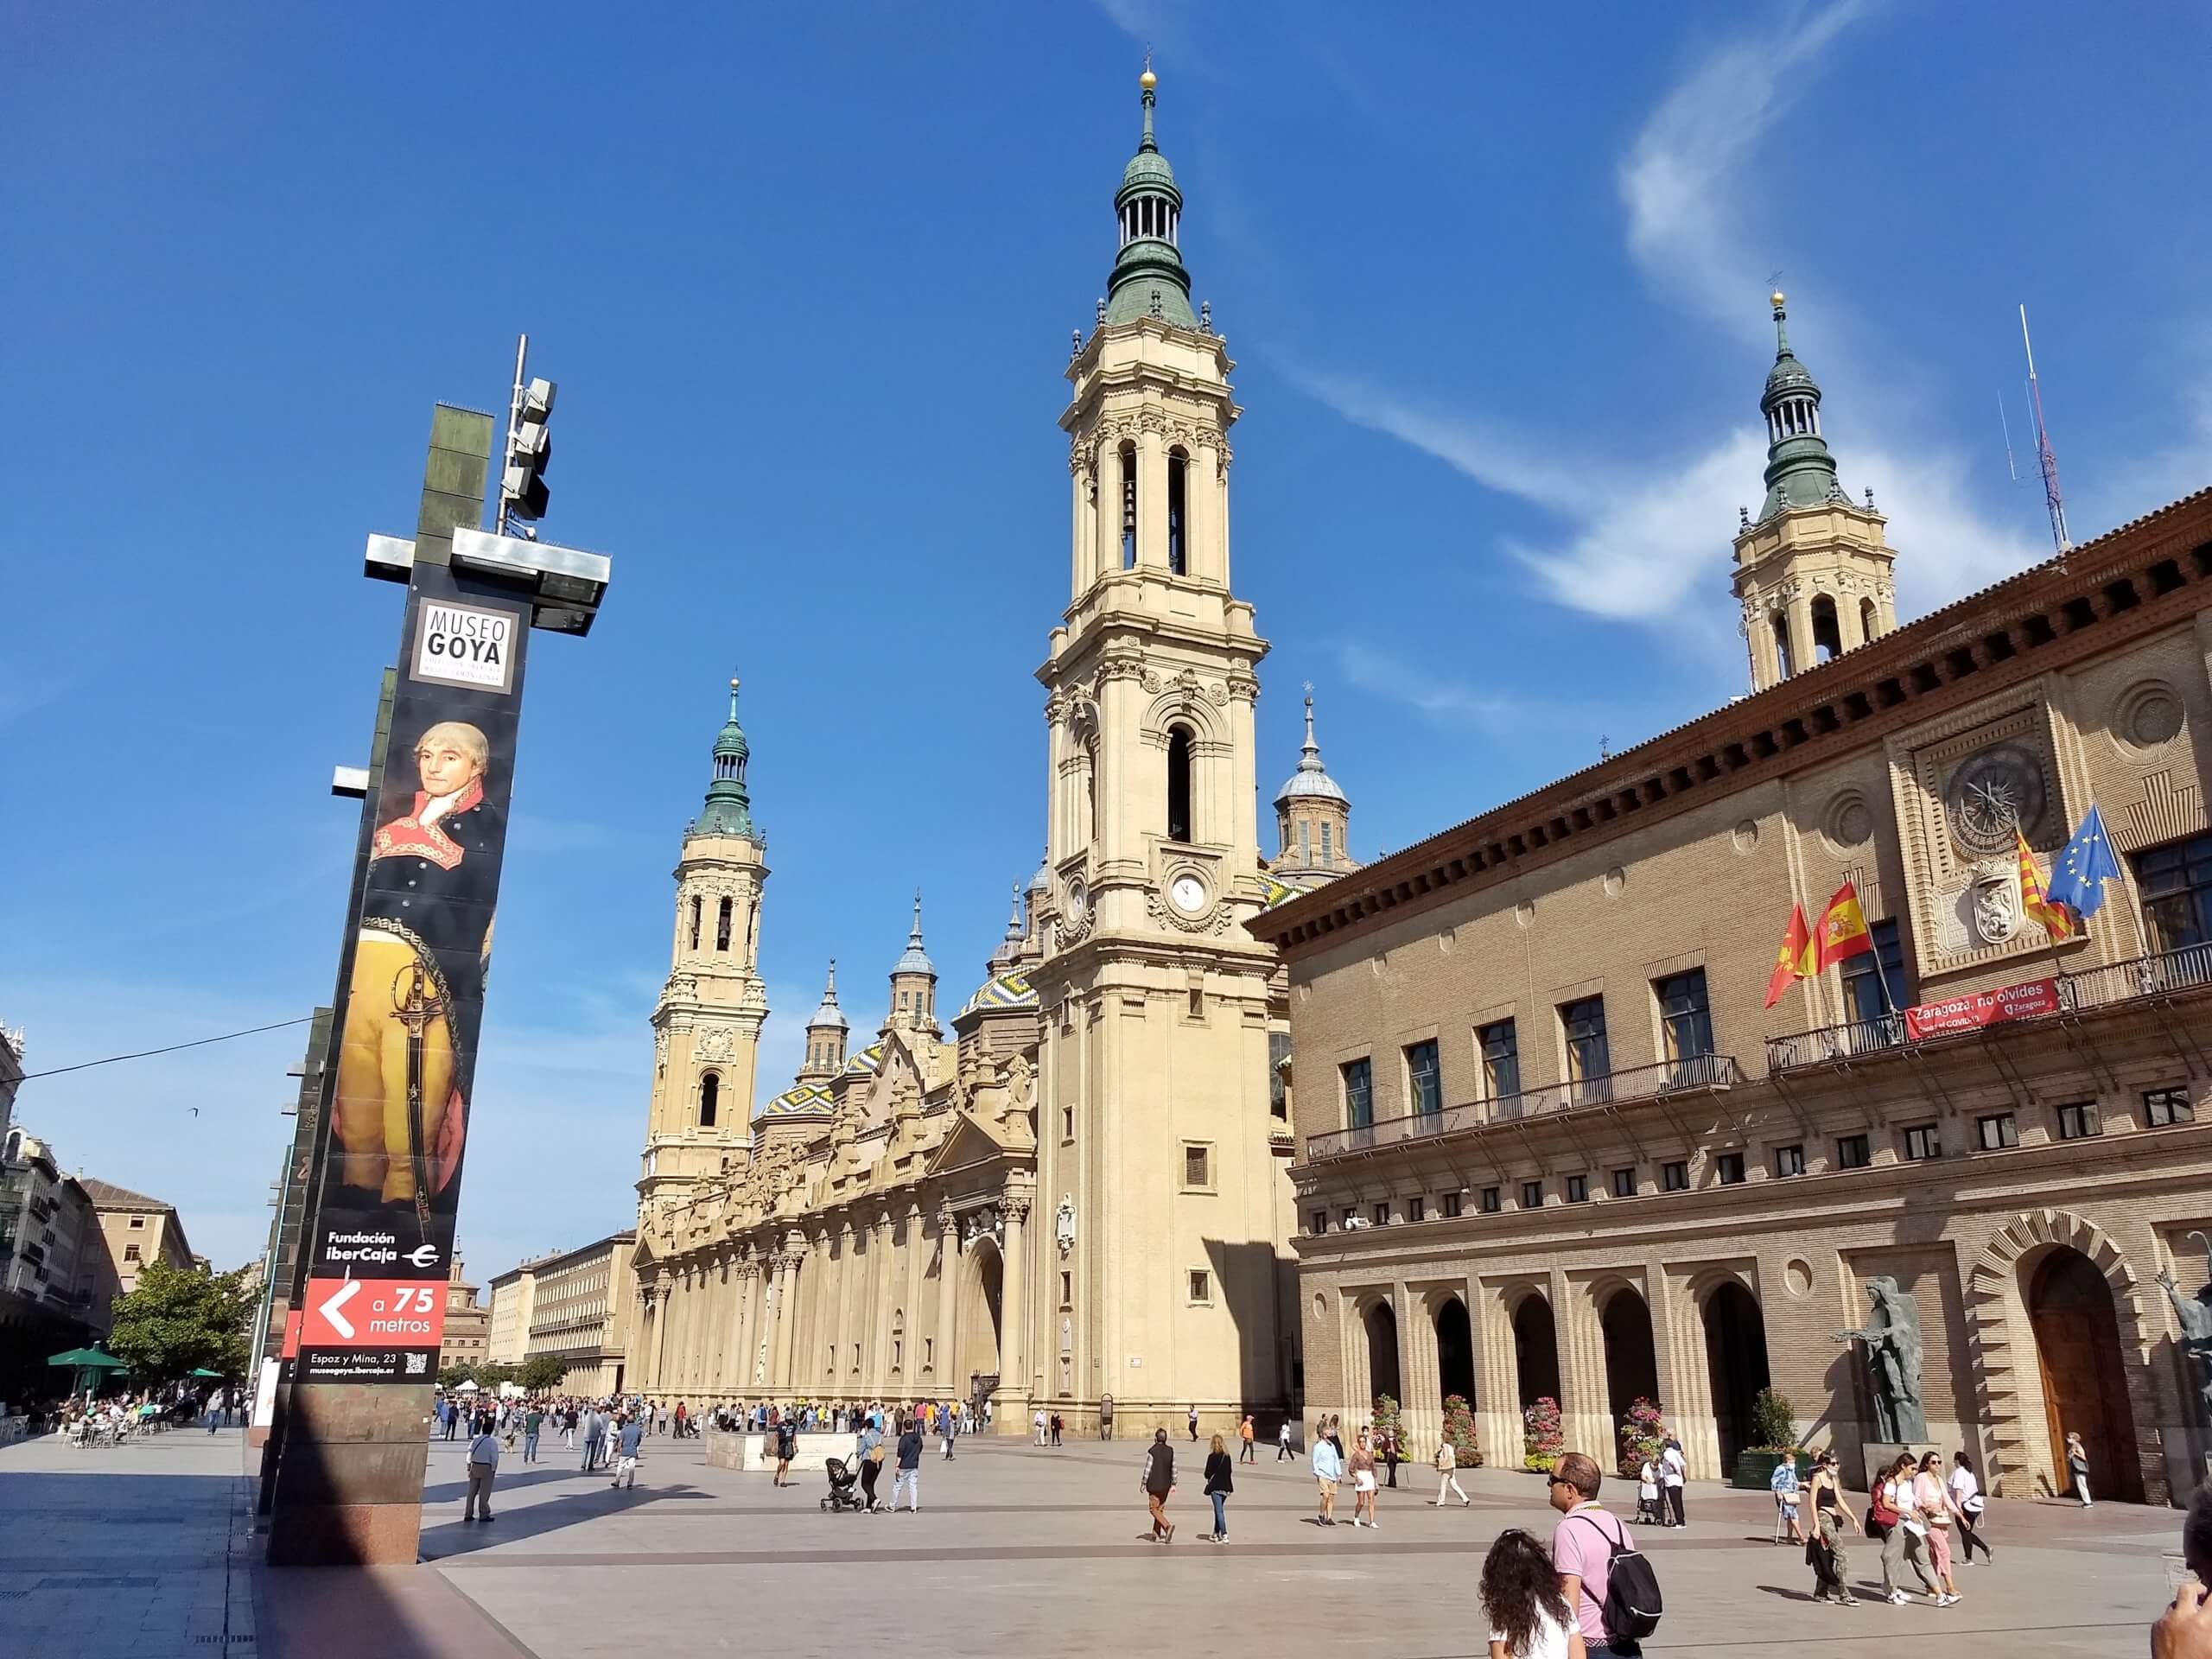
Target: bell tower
1812, 570
1152, 1114
707, 1024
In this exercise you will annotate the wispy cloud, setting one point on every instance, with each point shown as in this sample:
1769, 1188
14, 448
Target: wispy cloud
1682, 180
1415, 684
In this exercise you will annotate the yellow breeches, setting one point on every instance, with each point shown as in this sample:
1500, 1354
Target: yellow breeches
373, 1070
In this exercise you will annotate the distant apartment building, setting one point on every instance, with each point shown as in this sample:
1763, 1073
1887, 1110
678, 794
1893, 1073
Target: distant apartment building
513, 1298
138, 1230
468, 1335
581, 1311
50, 1252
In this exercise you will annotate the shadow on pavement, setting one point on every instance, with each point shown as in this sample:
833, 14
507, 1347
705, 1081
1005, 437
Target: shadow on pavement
458, 1538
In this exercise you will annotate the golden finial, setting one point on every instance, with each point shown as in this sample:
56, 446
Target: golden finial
1148, 79
1776, 299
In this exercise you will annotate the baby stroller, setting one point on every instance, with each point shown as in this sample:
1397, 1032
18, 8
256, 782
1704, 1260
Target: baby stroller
842, 1495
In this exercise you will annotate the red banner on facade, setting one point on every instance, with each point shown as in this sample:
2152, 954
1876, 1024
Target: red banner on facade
2029, 1002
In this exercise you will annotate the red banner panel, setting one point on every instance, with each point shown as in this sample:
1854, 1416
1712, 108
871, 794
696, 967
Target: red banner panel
2029, 1002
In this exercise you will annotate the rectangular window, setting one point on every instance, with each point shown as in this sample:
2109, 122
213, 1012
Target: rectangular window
1067, 1122
722, 926
1588, 1058
1328, 856
1305, 840
131, 1252
1359, 1094
1451, 1206
1197, 1010
1685, 1016
2079, 1122
1501, 1052
1194, 1167
1383, 1214
1873, 980
1423, 1088
2163, 1107
1923, 1141
1349, 1219
137, 1221
1675, 1177
1416, 1209
1491, 1202
1067, 1289
1996, 1132
1201, 1284
1852, 1152
1624, 1183
1789, 1160
1532, 1195
1578, 1189
2176, 882
1278, 1090
1320, 1220
1729, 1165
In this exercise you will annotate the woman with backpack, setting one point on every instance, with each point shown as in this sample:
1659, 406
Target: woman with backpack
1529, 1617
1966, 1493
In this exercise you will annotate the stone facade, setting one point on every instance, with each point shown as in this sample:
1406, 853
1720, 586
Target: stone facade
581, 1310
467, 1334
1663, 1188
1083, 1193
513, 1301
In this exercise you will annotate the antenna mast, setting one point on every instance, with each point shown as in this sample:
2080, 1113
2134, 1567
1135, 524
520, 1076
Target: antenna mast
2044, 454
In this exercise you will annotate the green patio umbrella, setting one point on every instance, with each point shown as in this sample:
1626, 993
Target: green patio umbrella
88, 1363
204, 1371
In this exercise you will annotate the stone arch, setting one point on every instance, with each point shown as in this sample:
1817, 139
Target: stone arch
1535, 1348
1455, 1350
1378, 1323
981, 1323
1737, 1364
2005, 1372
1631, 1353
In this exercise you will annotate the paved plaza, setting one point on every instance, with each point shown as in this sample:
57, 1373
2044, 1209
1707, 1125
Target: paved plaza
144, 1551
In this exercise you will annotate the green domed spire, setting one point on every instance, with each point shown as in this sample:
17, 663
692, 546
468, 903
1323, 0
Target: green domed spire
729, 810
1799, 470
1149, 279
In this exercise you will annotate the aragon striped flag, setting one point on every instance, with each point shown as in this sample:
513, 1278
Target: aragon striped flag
1797, 958
2035, 903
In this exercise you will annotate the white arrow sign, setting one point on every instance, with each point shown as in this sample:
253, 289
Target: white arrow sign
344, 1294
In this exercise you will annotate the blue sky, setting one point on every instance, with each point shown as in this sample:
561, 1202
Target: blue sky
1494, 278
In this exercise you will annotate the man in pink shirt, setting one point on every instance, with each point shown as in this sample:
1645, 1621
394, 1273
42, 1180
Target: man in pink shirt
1582, 1550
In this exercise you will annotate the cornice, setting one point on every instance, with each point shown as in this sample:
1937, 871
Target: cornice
2144, 577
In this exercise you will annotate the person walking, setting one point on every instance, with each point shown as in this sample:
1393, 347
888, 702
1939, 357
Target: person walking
1219, 1485
1784, 1484
1966, 1494
1933, 1501
1583, 1547
1194, 1423
948, 1427
867, 1452
483, 1463
786, 1448
1825, 1554
1158, 1483
1282, 1441
908, 1479
1246, 1453
452, 1419
1105, 1416
1328, 1469
1040, 1425
533, 1423
595, 1437
1673, 1471
2077, 1468
1363, 1481
1891, 1508
1057, 1421
569, 1426
1447, 1477
1529, 1617
627, 1441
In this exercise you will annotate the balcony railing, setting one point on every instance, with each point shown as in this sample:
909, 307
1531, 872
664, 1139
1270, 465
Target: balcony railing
1616, 1088
2136, 980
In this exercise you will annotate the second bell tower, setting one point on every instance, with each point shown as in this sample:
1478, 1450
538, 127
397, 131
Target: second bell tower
1154, 1132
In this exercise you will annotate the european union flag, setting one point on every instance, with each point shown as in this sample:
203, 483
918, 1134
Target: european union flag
2079, 874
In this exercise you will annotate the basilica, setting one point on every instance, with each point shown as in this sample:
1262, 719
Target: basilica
1077, 1198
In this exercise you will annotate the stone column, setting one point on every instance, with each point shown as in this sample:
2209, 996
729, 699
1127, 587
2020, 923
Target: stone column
1014, 1316
1106, 543
1201, 555
945, 1353
883, 1285
780, 1365
910, 1355
1422, 1408
1803, 655
1587, 1421
847, 1324
1497, 1381
1685, 1379
1080, 520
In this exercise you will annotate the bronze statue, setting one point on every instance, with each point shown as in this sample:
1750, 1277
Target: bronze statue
1893, 1359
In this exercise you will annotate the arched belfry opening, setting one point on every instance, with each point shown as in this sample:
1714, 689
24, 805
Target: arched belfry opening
1178, 784
1179, 464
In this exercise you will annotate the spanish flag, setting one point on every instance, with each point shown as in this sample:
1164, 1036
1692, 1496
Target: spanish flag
1843, 928
2035, 903
1797, 959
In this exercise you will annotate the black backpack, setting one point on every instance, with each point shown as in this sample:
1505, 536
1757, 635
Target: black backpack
1632, 1602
